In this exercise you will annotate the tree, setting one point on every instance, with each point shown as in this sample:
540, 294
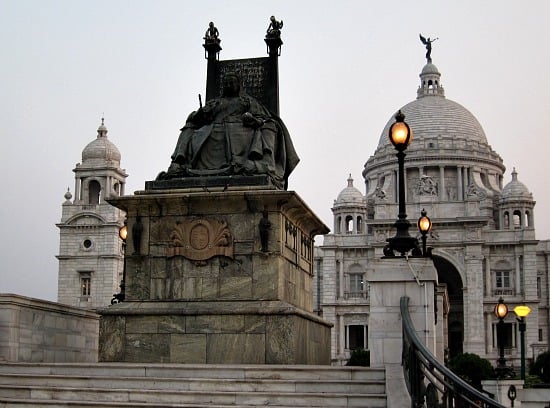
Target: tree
542, 367
359, 357
472, 368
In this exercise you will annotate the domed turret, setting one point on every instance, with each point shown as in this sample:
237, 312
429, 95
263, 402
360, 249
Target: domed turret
101, 150
349, 210
99, 175
349, 196
516, 205
515, 189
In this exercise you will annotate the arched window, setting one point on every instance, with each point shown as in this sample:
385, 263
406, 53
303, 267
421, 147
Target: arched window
517, 219
506, 220
349, 224
527, 219
94, 191
359, 224
116, 188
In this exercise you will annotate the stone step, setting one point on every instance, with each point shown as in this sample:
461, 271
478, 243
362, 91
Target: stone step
178, 385
151, 396
286, 372
33, 403
205, 384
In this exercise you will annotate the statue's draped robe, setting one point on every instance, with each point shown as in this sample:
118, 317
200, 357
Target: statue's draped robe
216, 141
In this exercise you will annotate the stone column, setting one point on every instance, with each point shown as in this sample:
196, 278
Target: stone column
518, 277
77, 183
341, 278
473, 301
465, 182
442, 183
341, 336
459, 189
488, 288
108, 186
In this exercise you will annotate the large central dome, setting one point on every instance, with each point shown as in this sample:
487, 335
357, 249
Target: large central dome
436, 116
432, 115
449, 156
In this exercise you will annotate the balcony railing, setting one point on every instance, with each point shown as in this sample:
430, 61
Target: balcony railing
503, 291
355, 295
430, 383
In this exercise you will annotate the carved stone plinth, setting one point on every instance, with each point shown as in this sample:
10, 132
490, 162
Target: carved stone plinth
217, 277
224, 332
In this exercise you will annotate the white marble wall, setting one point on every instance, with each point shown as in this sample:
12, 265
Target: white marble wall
39, 331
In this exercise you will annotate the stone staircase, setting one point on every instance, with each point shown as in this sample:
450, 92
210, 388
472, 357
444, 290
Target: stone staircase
172, 385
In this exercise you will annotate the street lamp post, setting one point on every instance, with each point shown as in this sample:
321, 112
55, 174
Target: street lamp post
522, 312
400, 135
501, 310
424, 226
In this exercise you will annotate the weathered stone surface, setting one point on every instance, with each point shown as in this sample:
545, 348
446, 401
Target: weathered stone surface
111, 338
204, 324
254, 324
188, 348
248, 306
147, 348
171, 324
138, 274
282, 333
281, 345
232, 348
141, 324
236, 288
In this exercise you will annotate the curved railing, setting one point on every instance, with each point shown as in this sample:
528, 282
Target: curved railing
430, 383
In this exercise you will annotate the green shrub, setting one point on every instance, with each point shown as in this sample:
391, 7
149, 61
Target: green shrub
531, 380
472, 368
359, 357
541, 367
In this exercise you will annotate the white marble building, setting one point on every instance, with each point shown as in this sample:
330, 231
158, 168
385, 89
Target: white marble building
90, 250
483, 233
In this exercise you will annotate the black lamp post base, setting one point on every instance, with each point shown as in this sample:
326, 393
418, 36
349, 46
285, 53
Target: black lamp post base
504, 372
402, 242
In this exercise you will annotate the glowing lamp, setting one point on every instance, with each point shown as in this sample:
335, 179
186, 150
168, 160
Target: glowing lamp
400, 133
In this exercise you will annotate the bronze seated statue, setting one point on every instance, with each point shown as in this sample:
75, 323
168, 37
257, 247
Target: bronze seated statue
233, 135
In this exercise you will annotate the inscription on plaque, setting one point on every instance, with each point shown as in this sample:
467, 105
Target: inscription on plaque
252, 72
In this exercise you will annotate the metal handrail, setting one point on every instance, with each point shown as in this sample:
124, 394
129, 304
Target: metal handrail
427, 379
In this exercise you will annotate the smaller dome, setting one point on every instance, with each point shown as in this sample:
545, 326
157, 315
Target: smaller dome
349, 195
101, 149
429, 68
515, 189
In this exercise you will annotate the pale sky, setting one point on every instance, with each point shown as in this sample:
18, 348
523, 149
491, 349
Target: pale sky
346, 67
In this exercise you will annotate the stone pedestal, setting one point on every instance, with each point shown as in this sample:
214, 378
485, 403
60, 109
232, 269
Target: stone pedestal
217, 276
389, 280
